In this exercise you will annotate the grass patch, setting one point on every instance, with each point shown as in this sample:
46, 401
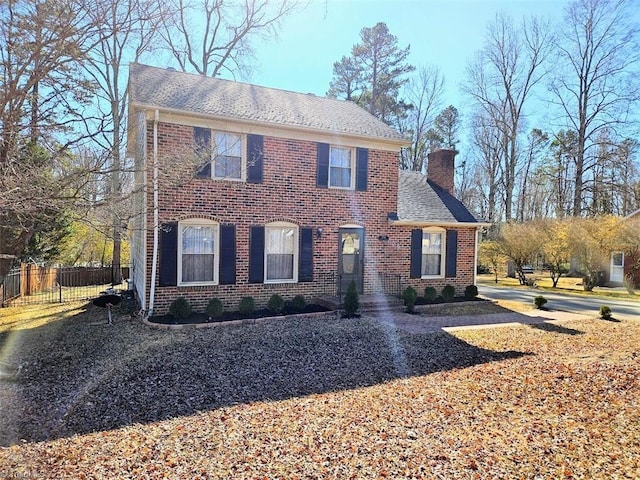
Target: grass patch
33, 316
474, 308
566, 285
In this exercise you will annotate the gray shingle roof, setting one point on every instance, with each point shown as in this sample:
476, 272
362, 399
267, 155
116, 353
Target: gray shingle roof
422, 201
166, 89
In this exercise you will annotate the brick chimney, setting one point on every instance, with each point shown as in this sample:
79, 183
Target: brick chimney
441, 167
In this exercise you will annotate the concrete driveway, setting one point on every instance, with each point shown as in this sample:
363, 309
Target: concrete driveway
621, 309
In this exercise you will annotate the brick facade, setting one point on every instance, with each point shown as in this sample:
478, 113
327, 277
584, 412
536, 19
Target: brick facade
288, 192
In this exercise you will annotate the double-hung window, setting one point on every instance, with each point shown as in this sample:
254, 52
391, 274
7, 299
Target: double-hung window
433, 253
227, 155
198, 252
341, 163
281, 252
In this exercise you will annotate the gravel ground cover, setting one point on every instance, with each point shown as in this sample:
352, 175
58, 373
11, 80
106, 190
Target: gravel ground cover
318, 398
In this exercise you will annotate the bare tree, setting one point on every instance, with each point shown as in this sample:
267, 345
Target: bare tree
537, 141
126, 29
424, 93
487, 139
42, 97
501, 81
596, 79
213, 36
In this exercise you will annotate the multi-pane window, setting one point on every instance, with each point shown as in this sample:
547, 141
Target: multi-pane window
281, 242
341, 167
227, 155
432, 253
197, 255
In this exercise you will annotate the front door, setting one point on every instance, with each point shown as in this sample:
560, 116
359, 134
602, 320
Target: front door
617, 267
350, 257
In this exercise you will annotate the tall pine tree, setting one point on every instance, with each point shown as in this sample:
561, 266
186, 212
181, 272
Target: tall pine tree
373, 74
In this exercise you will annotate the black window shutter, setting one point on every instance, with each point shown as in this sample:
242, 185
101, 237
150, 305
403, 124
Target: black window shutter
255, 158
305, 267
256, 255
362, 165
452, 253
202, 138
227, 254
322, 178
416, 253
168, 255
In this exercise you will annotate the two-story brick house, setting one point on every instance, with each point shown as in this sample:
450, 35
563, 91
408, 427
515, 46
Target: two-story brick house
246, 190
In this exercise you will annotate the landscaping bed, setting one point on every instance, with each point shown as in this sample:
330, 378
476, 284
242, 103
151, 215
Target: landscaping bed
196, 318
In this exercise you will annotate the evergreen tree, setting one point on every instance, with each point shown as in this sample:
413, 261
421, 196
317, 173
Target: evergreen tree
374, 73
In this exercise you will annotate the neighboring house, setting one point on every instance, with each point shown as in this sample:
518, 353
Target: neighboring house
620, 264
247, 190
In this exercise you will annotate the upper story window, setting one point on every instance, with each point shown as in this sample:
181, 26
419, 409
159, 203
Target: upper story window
197, 252
227, 155
281, 252
433, 253
222, 153
341, 167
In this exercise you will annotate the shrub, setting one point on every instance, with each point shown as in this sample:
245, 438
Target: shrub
180, 308
539, 301
448, 293
470, 292
430, 294
409, 296
247, 305
298, 303
276, 303
351, 301
605, 312
214, 308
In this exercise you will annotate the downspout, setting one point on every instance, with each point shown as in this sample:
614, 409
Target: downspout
475, 255
156, 226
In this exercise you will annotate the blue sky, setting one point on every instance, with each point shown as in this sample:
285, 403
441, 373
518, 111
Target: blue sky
443, 33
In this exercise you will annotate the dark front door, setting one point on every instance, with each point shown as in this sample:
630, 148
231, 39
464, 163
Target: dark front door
350, 257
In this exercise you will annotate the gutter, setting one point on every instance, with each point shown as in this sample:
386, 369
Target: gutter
156, 226
432, 223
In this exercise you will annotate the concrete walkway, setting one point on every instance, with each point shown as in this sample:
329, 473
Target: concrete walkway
416, 323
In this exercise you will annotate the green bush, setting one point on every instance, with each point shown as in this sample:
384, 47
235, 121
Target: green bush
539, 301
214, 308
409, 295
470, 292
448, 293
276, 303
351, 301
430, 294
605, 312
247, 305
180, 308
298, 303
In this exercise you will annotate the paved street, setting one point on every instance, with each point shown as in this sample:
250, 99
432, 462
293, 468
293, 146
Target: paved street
570, 303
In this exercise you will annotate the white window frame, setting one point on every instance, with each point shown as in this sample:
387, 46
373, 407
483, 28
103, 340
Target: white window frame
296, 251
243, 156
443, 250
197, 222
352, 167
